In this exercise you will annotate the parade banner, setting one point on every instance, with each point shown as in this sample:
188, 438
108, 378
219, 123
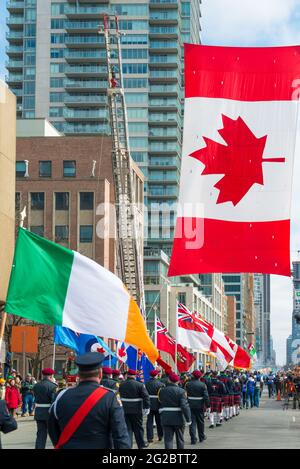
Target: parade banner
51, 284
240, 123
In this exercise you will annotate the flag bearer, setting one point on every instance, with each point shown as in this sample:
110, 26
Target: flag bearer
116, 377
44, 393
216, 391
198, 400
153, 386
88, 416
175, 411
136, 402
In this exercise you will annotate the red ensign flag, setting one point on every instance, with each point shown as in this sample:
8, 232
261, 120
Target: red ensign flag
237, 161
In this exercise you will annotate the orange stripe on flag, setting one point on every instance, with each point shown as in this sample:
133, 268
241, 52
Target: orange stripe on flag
136, 332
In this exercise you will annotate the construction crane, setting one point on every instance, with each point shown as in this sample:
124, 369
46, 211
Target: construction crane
129, 258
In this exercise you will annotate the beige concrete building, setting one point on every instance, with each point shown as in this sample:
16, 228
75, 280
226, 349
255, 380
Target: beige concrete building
7, 184
249, 308
231, 315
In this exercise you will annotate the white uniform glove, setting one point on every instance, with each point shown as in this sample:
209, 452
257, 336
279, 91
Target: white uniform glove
189, 423
146, 411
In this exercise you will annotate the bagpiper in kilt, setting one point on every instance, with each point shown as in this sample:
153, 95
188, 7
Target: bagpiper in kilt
216, 391
237, 391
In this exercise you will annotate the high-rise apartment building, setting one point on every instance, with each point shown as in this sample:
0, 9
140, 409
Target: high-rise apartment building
293, 341
234, 287
57, 69
262, 304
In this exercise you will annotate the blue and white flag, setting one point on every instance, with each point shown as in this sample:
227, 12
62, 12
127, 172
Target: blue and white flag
81, 343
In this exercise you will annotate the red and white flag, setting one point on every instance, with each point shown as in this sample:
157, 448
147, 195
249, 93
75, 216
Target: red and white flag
237, 160
196, 333
165, 342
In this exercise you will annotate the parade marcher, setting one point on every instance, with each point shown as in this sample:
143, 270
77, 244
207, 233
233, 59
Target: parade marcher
198, 400
237, 390
44, 393
107, 380
12, 397
175, 411
216, 392
27, 395
226, 398
88, 415
136, 403
7, 422
116, 377
153, 386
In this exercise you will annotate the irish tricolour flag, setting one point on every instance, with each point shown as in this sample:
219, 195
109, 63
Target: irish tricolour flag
53, 285
240, 123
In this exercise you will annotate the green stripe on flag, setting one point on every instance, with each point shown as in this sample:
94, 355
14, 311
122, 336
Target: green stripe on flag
39, 279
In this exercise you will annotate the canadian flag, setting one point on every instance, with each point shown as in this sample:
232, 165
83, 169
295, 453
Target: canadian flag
237, 160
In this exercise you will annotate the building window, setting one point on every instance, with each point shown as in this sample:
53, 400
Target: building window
86, 233
20, 169
86, 201
61, 233
37, 200
38, 230
45, 169
62, 201
182, 298
69, 169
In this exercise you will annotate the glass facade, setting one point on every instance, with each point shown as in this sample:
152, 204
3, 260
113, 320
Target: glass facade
74, 58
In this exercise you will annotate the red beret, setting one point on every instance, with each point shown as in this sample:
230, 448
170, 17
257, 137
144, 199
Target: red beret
48, 372
131, 372
197, 374
154, 373
116, 372
174, 377
106, 370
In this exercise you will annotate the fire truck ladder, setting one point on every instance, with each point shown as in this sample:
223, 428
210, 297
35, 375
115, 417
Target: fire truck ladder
129, 258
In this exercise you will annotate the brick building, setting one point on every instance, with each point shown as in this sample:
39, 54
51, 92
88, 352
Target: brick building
66, 184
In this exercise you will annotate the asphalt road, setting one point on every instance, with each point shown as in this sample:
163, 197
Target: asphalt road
269, 426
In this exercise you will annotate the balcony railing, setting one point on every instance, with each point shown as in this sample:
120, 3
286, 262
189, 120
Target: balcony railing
82, 25
81, 98
86, 114
85, 129
88, 69
85, 39
85, 54
80, 10
85, 84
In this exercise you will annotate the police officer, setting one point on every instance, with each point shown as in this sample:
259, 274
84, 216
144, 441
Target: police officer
198, 400
153, 386
136, 402
174, 411
107, 380
97, 410
45, 394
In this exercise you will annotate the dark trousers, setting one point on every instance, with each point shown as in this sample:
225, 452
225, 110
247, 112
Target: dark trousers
169, 432
154, 414
41, 435
27, 403
134, 424
250, 397
197, 424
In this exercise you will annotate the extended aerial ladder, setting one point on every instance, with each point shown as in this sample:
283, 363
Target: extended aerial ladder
129, 258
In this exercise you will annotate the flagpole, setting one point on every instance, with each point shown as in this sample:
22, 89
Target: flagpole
4, 314
53, 358
176, 337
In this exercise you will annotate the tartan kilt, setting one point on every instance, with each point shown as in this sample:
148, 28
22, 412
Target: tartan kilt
226, 400
231, 400
216, 404
237, 399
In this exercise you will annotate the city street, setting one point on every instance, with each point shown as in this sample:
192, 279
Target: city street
267, 427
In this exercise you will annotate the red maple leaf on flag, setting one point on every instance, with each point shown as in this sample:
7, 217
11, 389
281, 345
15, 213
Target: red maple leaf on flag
240, 161
122, 352
100, 350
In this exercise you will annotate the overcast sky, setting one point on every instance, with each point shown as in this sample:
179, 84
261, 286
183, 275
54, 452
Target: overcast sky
247, 23
263, 23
